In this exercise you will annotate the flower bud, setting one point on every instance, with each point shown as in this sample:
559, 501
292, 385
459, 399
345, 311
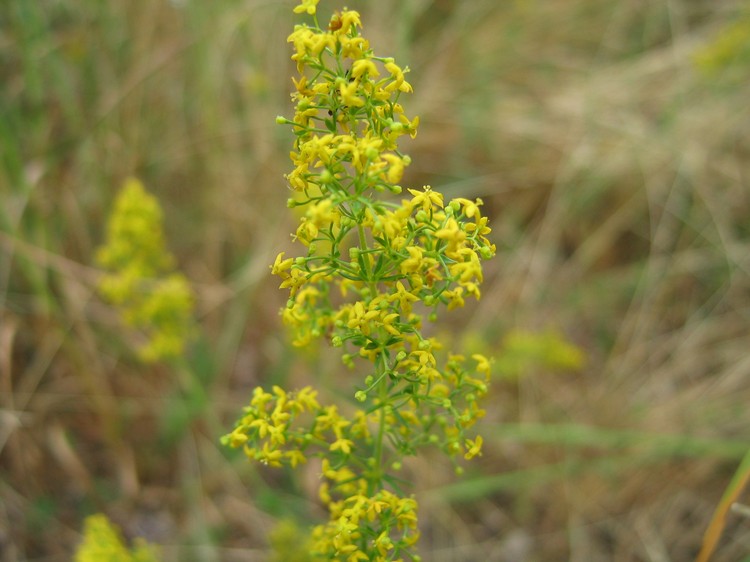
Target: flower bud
325, 177
486, 252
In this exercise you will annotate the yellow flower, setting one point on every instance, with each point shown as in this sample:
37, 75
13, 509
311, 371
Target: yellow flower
395, 169
409, 126
474, 448
467, 271
323, 213
455, 297
269, 456
383, 543
360, 318
307, 231
387, 323
296, 178
353, 47
349, 19
348, 91
308, 6
426, 198
470, 208
451, 233
295, 457
413, 263
281, 266
102, 541
296, 280
483, 364
344, 445
307, 398
403, 297
364, 66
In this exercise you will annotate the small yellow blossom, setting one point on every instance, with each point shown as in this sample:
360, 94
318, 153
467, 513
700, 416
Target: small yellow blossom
474, 447
470, 208
364, 66
103, 542
348, 91
483, 364
343, 445
281, 266
395, 168
349, 19
308, 6
403, 297
451, 233
427, 198
397, 74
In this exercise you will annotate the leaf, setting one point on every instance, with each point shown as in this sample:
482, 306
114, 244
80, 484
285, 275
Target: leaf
718, 521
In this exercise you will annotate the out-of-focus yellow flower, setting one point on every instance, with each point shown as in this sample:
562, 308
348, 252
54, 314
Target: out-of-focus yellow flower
139, 278
474, 447
102, 542
306, 6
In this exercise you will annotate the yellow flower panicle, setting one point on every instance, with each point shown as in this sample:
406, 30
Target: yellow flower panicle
345, 536
380, 262
139, 276
102, 542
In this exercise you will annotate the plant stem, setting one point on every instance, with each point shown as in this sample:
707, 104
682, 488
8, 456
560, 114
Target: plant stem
377, 469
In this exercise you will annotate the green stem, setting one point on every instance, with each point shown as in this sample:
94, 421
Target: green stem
363, 249
377, 469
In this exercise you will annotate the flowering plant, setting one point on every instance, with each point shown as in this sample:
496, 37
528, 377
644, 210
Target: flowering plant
139, 276
102, 541
374, 272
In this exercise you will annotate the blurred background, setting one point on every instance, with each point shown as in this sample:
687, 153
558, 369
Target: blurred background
610, 142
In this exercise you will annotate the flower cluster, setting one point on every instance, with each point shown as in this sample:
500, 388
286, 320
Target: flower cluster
377, 269
389, 521
278, 428
140, 279
102, 541
728, 53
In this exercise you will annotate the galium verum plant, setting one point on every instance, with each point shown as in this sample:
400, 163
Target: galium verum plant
374, 272
140, 279
102, 542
